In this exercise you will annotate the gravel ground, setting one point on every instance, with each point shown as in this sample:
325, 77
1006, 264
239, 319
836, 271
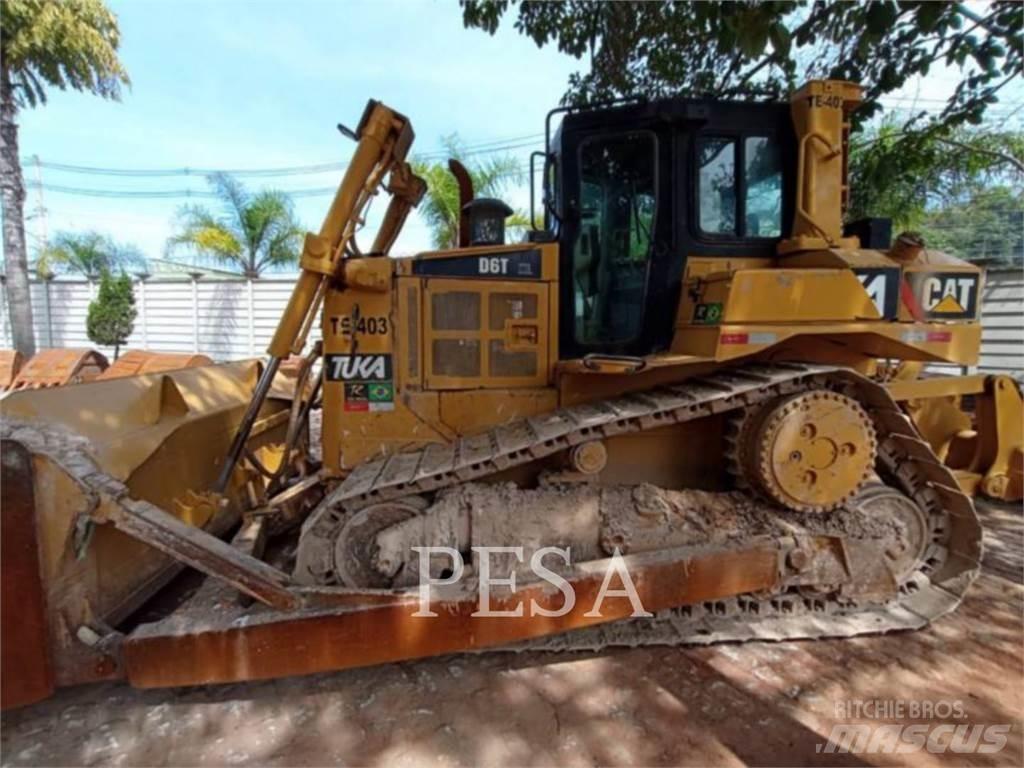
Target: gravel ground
754, 704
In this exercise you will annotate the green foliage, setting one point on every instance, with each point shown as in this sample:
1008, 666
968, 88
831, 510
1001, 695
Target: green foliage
986, 226
112, 314
936, 174
88, 253
961, 189
899, 173
730, 49
252, 232
59, 43
440, 207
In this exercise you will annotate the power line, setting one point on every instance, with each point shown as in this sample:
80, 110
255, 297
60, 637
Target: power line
169, 194
995, 114
930, 100
161, 194
486, 147
491, 146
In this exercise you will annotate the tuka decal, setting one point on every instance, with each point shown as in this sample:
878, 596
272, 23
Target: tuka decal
358, 367
367, 380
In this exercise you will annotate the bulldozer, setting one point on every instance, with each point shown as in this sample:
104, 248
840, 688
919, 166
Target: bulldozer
692, 382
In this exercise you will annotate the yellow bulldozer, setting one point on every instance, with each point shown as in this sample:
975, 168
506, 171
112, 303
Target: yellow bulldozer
693, 377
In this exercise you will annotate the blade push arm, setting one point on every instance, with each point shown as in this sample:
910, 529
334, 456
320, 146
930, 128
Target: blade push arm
384, 138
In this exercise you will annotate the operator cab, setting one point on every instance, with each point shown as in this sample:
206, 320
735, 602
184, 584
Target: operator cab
634, 190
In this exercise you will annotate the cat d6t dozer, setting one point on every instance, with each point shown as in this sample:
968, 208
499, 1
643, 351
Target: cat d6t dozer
683, 412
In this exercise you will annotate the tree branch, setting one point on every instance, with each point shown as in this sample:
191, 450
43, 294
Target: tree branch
1006, 158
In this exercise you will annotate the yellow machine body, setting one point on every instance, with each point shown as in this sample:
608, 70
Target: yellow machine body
449, 343
411, 360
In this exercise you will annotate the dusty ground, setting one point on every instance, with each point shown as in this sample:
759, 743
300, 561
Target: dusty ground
739, 704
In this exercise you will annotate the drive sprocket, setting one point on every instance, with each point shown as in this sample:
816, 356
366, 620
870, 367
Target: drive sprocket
809, 452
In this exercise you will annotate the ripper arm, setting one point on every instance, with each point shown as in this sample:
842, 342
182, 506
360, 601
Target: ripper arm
384, 137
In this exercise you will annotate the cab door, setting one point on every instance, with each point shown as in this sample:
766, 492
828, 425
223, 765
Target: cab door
616, 241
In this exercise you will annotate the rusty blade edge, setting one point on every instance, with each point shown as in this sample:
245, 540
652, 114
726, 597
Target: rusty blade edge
278, 644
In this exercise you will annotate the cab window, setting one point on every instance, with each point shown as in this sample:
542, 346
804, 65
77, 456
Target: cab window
762, 171
717, 158
613, 247
729, 168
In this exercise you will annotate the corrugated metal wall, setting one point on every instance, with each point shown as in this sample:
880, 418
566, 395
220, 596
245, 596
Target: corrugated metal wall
1002, 319
231, 319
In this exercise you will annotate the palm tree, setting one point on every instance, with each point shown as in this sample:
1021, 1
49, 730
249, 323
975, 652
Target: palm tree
88, 253
441, 205
252, 233
67, 44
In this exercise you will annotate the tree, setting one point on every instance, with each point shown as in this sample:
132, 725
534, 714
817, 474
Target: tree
440, 207
961, 190
111, 315
44, 43
751, 49
88, 253
252, 233
730, 49
986, 226
903, 174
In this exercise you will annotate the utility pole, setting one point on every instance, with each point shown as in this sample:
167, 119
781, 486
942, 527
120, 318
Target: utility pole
40, 236
40, 208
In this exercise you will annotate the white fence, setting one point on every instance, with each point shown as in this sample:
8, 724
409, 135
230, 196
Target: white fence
225, 319
231, 319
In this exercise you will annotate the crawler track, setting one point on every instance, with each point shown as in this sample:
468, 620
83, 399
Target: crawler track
945, 571
950, 563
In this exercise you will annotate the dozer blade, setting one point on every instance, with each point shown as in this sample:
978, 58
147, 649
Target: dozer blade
10, 364
26, 672
136, 362
815, 576
156, 438
59, 367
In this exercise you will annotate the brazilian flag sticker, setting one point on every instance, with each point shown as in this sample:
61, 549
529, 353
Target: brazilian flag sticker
381, 392
707, 314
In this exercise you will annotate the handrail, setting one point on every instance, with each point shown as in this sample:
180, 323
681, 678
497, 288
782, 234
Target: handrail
802, 191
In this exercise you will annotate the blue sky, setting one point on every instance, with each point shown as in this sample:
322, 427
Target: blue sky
262, 84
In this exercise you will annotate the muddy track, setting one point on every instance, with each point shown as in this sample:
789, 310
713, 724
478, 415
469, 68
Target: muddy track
950, 562
947, 568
